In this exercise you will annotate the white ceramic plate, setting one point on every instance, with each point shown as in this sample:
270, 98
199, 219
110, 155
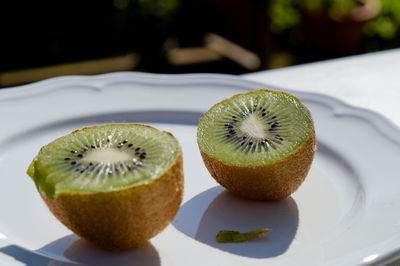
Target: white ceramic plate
346, 213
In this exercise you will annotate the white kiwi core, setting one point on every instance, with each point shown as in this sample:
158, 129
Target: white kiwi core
253, 127
107, 155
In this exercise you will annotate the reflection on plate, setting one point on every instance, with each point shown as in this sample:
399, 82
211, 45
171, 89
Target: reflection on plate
347, 212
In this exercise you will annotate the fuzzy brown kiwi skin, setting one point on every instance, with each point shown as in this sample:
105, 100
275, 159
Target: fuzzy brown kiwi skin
123, 219
273, 181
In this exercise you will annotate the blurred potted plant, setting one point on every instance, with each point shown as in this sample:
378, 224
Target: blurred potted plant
383, 32
328, 26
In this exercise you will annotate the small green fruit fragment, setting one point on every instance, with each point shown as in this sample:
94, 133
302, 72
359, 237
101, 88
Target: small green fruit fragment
235, 236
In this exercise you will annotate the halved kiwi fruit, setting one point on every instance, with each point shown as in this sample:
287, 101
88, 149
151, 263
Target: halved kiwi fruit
115, 185
258, 145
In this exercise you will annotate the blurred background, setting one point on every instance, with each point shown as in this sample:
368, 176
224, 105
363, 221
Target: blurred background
41, 39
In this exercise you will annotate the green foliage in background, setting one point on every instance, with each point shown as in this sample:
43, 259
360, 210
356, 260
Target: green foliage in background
387, 24
153, 8
286, 15
337, 9
154, 14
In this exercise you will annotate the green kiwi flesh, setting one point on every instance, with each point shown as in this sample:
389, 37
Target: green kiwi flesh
255, 128
103, 158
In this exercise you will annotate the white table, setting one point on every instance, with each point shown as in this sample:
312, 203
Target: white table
370, 81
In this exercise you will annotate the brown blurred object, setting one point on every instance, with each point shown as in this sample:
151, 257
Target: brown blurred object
249, 24
192, 55
367, 11
89, 67
324, 34
234, 52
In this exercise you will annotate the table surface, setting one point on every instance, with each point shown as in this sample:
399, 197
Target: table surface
369, 81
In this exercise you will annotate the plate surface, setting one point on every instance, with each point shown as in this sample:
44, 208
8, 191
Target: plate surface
347, 212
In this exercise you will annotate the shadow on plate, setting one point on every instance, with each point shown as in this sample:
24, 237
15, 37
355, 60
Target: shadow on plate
203, 216
29, 258
80, 251
71, 250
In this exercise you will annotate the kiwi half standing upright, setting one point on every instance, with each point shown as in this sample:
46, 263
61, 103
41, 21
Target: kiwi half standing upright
258, 145
115, 185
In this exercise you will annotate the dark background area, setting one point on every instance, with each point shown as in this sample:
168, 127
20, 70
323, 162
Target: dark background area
173, 36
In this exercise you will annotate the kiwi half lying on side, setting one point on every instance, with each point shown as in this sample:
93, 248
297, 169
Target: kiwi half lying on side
115, 185
258, 145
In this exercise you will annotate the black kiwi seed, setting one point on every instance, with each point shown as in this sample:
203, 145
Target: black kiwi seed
67, 158
73, 151
130, 145
93, 146
274, 124
73, 162
80, 155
